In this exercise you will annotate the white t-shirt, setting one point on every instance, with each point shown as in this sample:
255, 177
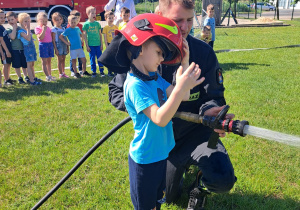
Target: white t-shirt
119, 5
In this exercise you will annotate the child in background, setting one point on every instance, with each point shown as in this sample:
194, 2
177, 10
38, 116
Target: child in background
79, 25
125, 14
6, 50
43, 33
75, 39
18, 57
93, 40
210, 21
151, 101
25, 36
109, 32
206, 34
61, 49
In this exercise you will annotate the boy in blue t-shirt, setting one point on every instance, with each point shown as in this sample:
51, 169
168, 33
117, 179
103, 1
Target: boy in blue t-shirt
151, 102
74, 35
210, 21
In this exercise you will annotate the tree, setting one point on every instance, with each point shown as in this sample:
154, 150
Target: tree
277, 9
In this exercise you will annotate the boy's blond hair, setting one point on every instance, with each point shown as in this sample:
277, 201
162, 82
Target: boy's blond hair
22, 16
165, 4
55, 15
108, 13
41, 15
12, 14
72, 17
210, 7
89, 9
1, 11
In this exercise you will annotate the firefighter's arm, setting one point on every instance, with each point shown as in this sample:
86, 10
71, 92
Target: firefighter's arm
115, 93
110, 5
84, 40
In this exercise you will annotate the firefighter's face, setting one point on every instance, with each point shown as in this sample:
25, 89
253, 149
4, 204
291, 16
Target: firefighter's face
2, 18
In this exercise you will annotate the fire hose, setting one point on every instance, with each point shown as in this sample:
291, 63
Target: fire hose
218, 122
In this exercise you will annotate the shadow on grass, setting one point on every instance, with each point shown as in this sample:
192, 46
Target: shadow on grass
239, 66
243, 200
17, 92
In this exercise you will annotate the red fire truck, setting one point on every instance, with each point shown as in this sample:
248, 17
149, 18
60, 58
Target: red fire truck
64, 7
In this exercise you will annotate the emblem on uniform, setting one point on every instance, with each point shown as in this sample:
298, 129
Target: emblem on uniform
219, 76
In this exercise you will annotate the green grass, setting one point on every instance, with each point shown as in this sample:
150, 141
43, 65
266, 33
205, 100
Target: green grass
45, 130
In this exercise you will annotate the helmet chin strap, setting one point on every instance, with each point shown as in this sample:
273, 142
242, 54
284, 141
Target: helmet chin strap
141, 75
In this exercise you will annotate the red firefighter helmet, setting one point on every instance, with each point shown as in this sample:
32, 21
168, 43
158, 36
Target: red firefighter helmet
162, 30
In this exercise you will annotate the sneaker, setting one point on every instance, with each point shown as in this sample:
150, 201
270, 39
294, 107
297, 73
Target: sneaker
7, 83
86, 74
197, 199
11, 81
48, 79
53, 78
77, 75
37, 79
35, 83
80, 72
65, 76
27, 80
94, 74
72, 74
102, 74
21, 81
198, 194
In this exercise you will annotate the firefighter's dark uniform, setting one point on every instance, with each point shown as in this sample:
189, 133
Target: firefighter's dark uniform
191, 138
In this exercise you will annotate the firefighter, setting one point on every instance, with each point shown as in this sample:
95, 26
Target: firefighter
216, 173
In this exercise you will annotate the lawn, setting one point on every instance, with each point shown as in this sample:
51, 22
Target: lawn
45, 130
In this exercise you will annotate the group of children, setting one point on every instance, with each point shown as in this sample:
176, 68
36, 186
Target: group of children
18, 49
208, 30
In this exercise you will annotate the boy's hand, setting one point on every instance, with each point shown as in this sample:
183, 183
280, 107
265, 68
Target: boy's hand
189, 79
3, 57
186, 53
68, 43
68, 50
27, 26
88, 49
8, 54
101, 48
14, 26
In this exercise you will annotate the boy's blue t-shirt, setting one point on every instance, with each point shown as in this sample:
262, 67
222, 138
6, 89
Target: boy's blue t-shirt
151, 142
211, 22
73, 35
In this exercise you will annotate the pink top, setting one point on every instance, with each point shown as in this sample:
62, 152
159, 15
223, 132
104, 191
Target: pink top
47, 38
